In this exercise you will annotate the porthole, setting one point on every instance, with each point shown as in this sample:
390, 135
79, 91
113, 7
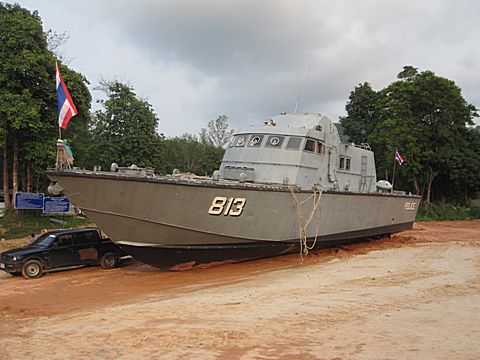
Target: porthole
239, 140
255, 140
274, 141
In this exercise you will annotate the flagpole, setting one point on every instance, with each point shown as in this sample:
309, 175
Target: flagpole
393, 176
66, 110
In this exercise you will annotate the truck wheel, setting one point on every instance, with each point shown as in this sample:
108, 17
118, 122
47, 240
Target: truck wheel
109, 260
32, 269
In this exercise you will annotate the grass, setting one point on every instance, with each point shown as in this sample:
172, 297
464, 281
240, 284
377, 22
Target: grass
444, 211
20, 223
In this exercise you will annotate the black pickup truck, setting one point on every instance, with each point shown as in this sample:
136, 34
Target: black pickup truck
61, 248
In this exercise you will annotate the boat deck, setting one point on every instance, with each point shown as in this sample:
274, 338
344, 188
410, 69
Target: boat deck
191, 179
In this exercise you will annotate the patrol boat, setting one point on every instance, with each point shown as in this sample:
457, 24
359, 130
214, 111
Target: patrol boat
286, 185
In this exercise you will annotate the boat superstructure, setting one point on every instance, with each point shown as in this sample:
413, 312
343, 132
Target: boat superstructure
286, 185
303, 150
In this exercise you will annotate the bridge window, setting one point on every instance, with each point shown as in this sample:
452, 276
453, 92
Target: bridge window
275, 141
294, 143
255, 140
309, 145
240, 140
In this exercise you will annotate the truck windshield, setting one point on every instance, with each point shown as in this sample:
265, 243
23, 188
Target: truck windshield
44, 240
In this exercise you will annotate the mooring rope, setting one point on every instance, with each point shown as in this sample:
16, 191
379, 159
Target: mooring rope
303, 224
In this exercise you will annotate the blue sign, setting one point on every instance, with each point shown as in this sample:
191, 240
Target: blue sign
56, 204
24, 200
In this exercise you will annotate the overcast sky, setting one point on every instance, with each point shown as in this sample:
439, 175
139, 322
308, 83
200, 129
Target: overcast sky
194, 60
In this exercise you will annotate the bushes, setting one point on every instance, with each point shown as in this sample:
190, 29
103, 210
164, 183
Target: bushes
443, 211
21, 223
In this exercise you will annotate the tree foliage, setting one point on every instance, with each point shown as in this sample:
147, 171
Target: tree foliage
28, 127
217, 133
363, 113
187, 154
425, 117
124, 131
55, 42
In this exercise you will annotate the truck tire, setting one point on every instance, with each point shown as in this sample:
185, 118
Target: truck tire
32, 269
109, 260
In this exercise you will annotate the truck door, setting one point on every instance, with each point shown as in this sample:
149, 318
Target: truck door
61, 252
85, 246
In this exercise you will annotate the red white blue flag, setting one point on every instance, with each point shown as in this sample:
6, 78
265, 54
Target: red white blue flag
66, 107
399, 158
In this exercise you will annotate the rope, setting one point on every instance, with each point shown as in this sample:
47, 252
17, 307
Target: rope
303, 224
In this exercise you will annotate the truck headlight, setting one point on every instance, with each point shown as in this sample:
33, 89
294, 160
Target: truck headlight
15, 258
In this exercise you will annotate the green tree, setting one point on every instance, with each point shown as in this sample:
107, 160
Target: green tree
125, 130
363, 113
408, 72
425, 117
23, 73
28, 99
460, 173
217, 133
187, 154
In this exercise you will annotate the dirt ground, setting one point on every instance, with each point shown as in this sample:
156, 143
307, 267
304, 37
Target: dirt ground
413, 296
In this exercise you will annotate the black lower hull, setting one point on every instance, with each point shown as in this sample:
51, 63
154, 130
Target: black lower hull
185, 256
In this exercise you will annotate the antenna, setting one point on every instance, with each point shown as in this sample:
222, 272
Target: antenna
301, 82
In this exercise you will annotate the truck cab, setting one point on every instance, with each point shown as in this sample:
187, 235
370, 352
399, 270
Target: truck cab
60, 249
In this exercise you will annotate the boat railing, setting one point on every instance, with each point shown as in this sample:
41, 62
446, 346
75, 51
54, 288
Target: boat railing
364, 146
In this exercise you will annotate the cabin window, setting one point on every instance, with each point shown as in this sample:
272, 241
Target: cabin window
344, 163
275, 141
294, 143
255, 140
240, 140
309, 145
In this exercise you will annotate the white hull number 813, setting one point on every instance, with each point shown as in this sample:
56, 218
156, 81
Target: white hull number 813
227, 206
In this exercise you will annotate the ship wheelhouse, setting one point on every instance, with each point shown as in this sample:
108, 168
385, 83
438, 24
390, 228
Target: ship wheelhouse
302, 150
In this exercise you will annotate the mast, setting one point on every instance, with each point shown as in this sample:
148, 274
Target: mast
301, 82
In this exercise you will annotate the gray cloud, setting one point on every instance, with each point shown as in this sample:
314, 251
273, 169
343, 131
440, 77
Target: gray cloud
197, 59
221, 37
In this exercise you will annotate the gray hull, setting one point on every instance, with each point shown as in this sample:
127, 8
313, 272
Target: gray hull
165, 221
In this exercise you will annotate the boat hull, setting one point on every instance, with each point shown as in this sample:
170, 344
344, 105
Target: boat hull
188, 256
168, 222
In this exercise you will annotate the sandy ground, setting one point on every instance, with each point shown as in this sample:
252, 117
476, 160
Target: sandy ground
413, 296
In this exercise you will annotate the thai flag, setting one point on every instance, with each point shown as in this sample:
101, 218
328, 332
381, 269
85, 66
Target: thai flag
66, 107
399, 158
